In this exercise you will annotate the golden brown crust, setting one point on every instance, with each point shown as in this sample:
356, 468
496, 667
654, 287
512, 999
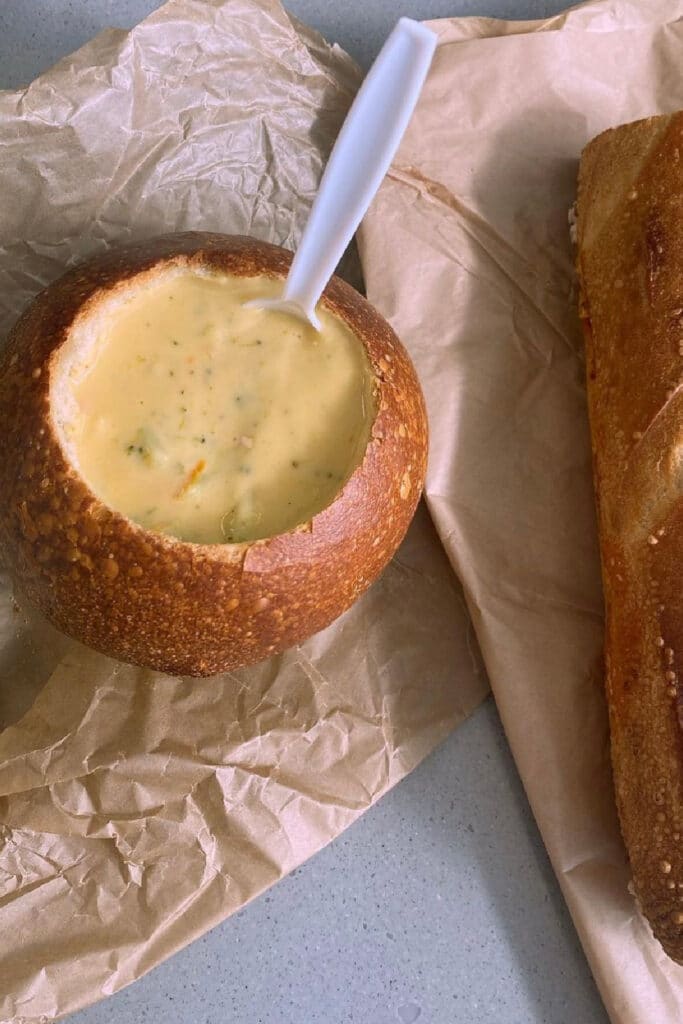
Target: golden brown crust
630, 259
158, 602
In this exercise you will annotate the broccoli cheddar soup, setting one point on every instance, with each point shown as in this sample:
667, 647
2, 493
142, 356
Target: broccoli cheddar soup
200, 418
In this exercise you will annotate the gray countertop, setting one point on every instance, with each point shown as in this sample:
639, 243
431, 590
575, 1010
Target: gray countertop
439, 905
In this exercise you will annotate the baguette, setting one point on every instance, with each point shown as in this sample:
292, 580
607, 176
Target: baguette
630, 264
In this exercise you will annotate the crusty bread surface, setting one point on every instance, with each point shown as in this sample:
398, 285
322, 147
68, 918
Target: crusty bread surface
630, 263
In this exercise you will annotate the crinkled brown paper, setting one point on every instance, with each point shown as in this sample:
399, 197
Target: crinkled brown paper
138, 810
477, 199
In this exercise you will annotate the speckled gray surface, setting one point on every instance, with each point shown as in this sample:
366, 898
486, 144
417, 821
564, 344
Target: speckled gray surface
36, 33
439, 906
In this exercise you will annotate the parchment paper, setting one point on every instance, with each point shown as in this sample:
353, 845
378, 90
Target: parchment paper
136, 810
478, 200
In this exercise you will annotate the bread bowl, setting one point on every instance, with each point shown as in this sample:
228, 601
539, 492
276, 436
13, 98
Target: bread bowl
630, 263
158, 600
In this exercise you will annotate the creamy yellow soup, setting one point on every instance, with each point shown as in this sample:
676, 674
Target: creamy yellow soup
200, 418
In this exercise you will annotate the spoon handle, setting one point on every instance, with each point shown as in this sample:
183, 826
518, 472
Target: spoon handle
361, 157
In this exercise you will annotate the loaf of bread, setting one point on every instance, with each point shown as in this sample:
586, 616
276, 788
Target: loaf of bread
630, 262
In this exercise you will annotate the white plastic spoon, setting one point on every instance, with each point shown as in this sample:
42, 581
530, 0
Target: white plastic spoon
361, 157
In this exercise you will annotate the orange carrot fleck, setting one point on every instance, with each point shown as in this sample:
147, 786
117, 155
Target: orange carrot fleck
191, 478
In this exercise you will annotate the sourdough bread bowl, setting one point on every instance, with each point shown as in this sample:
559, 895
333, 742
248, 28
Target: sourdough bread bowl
151, 598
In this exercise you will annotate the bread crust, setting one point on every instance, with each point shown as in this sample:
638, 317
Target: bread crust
167, 604
630, 262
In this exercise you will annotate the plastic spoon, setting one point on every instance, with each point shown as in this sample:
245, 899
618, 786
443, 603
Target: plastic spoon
361, 157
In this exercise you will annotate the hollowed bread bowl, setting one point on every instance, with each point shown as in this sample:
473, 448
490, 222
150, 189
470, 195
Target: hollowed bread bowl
151, 599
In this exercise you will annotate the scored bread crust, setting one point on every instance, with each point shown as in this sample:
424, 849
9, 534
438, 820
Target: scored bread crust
167, 604
630, 263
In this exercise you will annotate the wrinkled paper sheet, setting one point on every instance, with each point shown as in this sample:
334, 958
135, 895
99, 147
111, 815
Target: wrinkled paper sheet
478, 199
138, 810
